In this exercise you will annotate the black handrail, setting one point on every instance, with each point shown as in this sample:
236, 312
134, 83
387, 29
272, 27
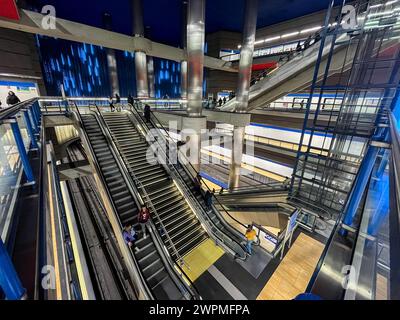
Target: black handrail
10, 111
191, 176
198, 176
192, 287
103, 181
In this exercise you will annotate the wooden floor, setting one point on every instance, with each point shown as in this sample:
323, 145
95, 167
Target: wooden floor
295, 270
201, 258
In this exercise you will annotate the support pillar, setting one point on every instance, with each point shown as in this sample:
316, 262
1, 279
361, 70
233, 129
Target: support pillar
142, 85
243, 88
195, 54
9, 280
112, 71
111, 60
184, 79
236, 157
150, 74
246, 56
184, 66
22, 152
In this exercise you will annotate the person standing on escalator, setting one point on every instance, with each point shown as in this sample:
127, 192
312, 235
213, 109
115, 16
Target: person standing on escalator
130, 99
143, 218
129, 235
118, 102
147, 112
251, 238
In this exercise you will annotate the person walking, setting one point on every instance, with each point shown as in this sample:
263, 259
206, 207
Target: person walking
111, 102
224, 100
220, 102
147, 113
143, 218
251, 238
118, 102
12, 99
130, 99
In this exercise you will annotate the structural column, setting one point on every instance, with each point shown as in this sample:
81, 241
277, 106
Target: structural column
184, 67
243, 87
150, 74
142, 85
195, 56
111, 60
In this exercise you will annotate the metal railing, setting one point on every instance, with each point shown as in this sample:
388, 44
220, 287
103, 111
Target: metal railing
203, 214
143, 194
138, 277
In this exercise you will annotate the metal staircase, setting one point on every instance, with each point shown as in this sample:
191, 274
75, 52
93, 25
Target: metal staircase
179, 221
148, 254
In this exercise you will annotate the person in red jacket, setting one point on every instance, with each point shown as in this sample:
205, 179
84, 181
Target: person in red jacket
143, 218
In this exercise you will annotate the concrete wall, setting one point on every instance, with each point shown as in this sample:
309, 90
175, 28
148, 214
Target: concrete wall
18, 55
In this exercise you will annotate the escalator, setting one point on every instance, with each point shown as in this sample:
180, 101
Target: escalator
183, 230
157, 274
297, 74
218, 220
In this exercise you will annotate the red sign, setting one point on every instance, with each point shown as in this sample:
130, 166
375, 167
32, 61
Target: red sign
263, 66
9, 9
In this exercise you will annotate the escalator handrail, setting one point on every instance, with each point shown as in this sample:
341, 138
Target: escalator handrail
204, 214
11, 111
137, 182
165, 255
190, 174
143, 283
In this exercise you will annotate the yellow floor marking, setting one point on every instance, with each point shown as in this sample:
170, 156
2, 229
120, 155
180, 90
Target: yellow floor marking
210, 185
201, 258
295, 270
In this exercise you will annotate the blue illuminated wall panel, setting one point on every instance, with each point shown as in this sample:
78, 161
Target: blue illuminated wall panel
167, 76
126, 72
82, 69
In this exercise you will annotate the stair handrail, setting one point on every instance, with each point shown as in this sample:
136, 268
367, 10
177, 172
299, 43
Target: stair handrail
147, 292
175, 173
128, 178
198, 176
139, 185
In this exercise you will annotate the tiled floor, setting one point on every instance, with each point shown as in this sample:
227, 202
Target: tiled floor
295, 270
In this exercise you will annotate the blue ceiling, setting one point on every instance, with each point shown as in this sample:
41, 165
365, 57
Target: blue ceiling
163, 17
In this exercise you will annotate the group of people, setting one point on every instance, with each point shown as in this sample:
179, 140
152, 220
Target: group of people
11, 100
129, 233
213, 103
115, 103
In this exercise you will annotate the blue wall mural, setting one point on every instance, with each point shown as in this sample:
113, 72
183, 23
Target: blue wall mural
82, 69
167, 78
